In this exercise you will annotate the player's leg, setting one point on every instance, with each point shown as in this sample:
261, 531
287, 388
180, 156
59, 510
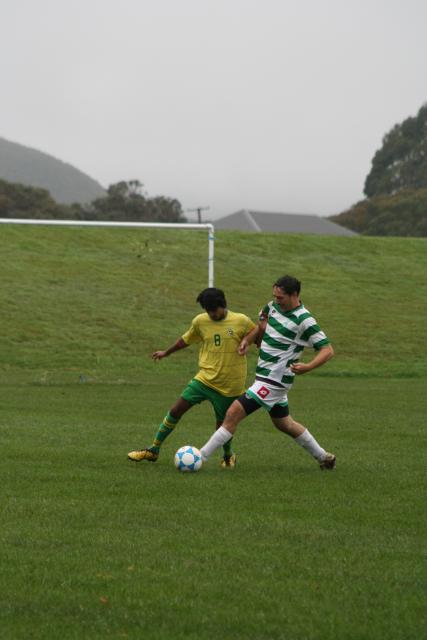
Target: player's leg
197, 392
259, 394
283, 421
164, 430
221, 404
191, 395
238, 410
169, 422
229, 458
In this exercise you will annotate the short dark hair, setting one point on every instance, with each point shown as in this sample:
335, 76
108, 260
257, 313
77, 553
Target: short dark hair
212, 298
288, 284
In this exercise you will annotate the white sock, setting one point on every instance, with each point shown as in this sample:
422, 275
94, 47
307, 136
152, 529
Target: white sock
219, 438
311, 445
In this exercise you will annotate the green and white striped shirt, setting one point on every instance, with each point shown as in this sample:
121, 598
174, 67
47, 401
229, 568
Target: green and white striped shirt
286, 335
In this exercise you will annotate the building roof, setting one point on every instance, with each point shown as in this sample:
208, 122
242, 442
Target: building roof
261, 221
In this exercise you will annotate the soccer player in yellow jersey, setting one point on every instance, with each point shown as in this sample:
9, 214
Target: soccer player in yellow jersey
222, 369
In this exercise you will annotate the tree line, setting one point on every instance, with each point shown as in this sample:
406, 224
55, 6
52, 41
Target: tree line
395, 189
396, 186
124, 201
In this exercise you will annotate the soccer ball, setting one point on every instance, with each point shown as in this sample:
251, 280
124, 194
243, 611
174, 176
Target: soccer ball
188, 458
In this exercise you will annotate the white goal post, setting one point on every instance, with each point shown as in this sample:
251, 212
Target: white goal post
154, 225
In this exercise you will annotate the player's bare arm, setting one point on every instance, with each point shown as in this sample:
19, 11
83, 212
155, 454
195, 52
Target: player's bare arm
177, 346
322, 356
249, 339
262, 324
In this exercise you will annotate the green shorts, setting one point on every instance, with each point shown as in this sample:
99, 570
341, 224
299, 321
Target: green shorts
196, 392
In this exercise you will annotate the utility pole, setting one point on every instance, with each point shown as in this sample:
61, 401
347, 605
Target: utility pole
199, 212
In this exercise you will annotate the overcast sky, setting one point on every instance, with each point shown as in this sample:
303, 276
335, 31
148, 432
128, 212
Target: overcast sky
275, 105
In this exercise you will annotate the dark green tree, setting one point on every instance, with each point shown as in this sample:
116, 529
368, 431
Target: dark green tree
401, 163
396, 186
21, 201
127, 201
401, 214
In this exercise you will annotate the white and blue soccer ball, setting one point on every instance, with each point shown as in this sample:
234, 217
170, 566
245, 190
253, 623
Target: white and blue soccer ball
188, 458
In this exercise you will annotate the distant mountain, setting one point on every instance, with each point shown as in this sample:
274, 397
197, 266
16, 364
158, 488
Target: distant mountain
34, 168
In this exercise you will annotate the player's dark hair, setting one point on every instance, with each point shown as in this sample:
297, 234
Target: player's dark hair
288, 284
212, 298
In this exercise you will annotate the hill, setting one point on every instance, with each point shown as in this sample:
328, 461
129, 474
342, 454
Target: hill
400, 214
34, 168
96, 302
396, 186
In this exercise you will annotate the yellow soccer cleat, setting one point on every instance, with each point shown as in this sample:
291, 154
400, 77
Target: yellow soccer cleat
328, 462
144, 454
229, 462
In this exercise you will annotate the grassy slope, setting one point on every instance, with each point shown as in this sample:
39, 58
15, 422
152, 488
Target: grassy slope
96, 302
92, 546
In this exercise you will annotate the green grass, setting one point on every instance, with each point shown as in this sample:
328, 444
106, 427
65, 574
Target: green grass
95, 302
93, 546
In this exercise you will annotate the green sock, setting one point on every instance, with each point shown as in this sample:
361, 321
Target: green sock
165, 429
227, 448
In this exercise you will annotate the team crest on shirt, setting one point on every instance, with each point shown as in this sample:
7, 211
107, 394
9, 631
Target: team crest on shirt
263, 392
229, 332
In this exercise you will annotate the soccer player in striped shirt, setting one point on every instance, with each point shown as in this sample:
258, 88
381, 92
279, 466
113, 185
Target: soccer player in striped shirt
286, 327
222, 369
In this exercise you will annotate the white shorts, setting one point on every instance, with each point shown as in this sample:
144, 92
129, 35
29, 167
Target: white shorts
268, 395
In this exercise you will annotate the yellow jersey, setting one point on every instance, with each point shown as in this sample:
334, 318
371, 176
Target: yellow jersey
221, 366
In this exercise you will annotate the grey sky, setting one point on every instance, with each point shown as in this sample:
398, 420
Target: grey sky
275, 105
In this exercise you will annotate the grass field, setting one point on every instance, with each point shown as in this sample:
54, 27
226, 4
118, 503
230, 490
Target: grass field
93, 546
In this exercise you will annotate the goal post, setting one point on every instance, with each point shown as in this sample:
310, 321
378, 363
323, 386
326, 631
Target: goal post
154, 225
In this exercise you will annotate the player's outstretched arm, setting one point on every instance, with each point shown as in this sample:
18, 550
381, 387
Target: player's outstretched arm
177, 346
322, 356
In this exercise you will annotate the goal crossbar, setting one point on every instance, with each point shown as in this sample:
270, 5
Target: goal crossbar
153, 225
